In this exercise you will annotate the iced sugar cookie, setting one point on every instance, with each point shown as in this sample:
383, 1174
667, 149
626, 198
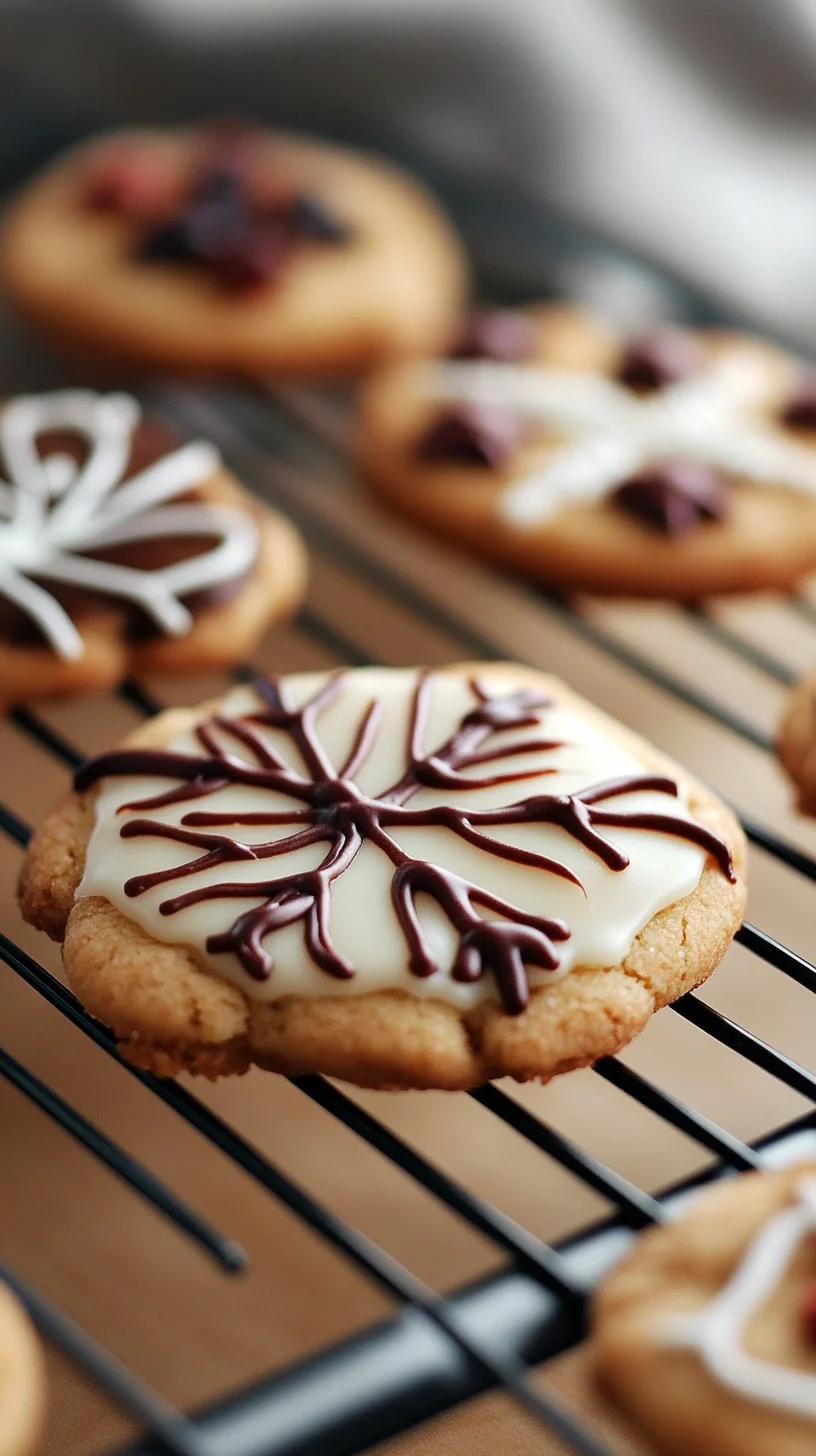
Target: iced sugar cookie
232, 248
673, 464
402, 878
22, 1381
706, 1333
123, 548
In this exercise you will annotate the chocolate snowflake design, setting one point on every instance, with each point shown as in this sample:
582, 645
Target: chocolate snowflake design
611, 434
336, 812
55, 512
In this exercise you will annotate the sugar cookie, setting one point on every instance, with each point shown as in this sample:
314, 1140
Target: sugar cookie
122, 548
405, 879
670, 465
232, 249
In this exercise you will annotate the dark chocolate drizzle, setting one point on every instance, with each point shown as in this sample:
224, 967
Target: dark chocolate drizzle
337, 813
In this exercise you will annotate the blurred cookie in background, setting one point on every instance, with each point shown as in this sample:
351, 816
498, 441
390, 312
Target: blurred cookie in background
124, 548
666, 464
705, 1334
232, 248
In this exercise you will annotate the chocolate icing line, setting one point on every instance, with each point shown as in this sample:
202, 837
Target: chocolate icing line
337, 813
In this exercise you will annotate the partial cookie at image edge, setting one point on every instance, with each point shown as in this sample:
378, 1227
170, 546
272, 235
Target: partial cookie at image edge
669, 1371
22, 1380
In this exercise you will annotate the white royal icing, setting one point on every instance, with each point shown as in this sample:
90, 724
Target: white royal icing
52, 510
716, 1332
604, 916
610, 433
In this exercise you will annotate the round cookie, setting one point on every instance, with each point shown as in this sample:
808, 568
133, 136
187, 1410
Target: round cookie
705, 1334
669, 465
404, 879
123, 549
22, 1380
232, 249
796, 741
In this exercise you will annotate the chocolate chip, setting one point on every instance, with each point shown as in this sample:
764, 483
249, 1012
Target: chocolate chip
253, 258
503, 334
219, 229
800, 411
198, 235
310, 218
651, 361
166, 243
674, 496
472, 435
220, 186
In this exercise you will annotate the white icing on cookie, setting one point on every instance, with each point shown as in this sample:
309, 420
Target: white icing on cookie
604, 912
53, 510
609, 433
716, 1333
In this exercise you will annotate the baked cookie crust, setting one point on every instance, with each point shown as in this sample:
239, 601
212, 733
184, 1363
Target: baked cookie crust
170, 1014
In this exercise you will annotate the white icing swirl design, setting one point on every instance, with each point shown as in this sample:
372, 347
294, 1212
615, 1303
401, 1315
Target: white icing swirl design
609, 433
716, 1332
360, 778
53, 510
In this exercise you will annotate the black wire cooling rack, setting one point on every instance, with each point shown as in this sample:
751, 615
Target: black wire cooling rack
436, 1351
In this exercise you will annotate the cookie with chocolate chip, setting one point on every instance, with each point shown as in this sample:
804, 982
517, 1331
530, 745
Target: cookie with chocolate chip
22, 1380
397, 877
232, 248
667, 463
705, 1334
124, 548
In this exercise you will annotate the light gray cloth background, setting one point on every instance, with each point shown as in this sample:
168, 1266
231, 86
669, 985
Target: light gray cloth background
687, 127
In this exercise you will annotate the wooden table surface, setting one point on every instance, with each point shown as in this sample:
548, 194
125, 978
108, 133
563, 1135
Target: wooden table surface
133, 1281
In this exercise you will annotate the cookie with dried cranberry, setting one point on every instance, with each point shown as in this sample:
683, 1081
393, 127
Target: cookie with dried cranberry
667, 464
232, 248
123, 548
398, 877
22, 1380
705, 1334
